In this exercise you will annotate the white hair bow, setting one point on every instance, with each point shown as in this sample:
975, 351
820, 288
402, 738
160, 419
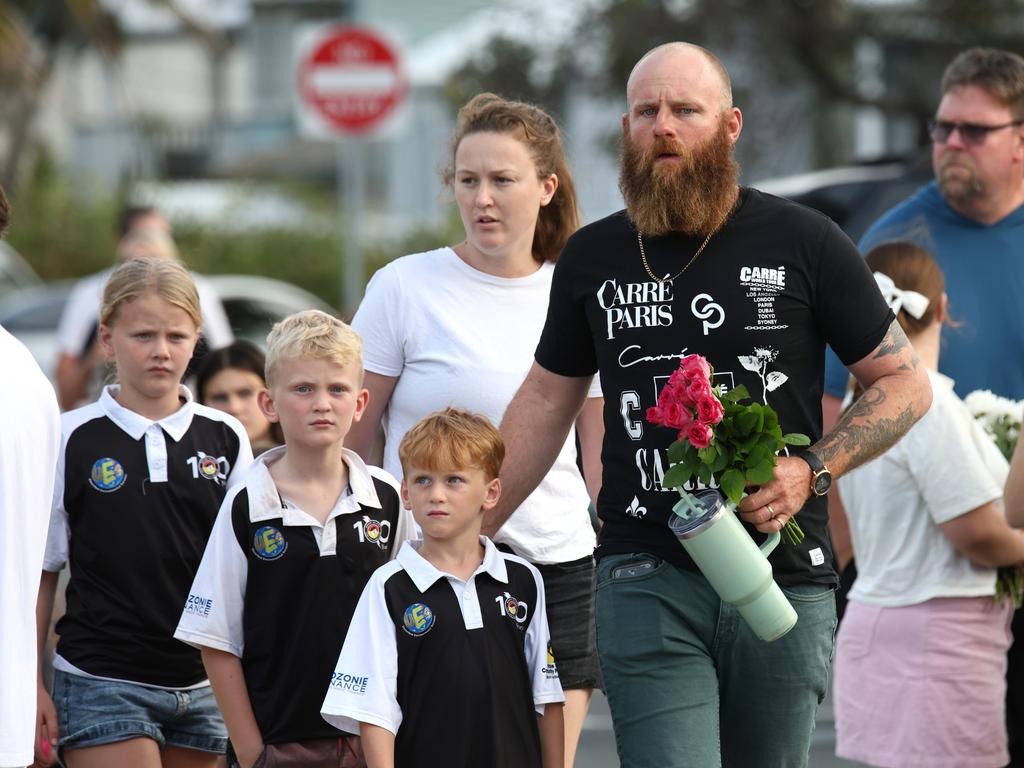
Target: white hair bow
915, 304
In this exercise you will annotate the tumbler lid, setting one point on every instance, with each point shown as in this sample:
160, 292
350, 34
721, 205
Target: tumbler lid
700, 510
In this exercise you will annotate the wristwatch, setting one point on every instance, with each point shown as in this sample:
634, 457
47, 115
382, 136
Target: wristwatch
821, 478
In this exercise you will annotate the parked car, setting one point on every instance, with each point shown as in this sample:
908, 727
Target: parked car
854, 196
15, 273
253, 304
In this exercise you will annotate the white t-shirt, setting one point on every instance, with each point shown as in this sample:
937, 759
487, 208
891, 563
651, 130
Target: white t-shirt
29, 444
82, 313
455, 336
944, 467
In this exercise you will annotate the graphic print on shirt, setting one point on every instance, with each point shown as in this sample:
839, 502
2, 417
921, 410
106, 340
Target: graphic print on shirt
107, 475
268, 543
512, 608
550, 671
759, 363
417, 619
215, 468
764, 284
635, 305
373, 531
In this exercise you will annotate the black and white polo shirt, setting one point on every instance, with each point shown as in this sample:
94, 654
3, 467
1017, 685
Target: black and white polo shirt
457, 670
133, 505
277, 589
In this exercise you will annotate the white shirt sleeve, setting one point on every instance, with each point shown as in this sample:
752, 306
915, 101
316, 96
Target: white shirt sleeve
58, 533
213, 611
216, 326
547, 688
405, 527
81, 313
946, 464
243, 459
378, 322
364, 686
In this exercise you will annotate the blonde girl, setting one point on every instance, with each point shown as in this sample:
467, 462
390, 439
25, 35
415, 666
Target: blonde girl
140, 477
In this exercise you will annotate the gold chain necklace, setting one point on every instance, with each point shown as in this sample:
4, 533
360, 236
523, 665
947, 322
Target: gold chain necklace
647, 267
666, 279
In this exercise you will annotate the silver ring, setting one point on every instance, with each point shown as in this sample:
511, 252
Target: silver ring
770, 511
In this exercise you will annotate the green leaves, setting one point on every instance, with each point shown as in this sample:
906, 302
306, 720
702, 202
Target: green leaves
742, 453
732, 485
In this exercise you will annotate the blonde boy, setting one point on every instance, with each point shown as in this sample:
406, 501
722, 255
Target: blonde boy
447, 661
290, 553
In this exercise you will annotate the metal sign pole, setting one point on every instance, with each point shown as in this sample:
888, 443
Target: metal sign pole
351, 181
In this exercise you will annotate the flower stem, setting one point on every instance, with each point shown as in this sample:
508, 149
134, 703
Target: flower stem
793, 531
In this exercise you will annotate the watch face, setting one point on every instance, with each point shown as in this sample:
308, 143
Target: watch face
822, 482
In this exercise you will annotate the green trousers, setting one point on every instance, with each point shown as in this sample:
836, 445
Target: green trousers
691, 686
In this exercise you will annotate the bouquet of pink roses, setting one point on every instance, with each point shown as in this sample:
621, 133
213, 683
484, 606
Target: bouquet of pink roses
720, 439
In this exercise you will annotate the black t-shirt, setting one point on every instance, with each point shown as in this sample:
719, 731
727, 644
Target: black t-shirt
455, 669
298, 605
776, 284
138, 520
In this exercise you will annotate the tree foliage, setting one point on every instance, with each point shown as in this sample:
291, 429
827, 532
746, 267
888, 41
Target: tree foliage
772, 49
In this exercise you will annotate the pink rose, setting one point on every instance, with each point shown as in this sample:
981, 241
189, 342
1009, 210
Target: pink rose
699, 435
655, 416
695, 365
709, 409
698, 390
677, 417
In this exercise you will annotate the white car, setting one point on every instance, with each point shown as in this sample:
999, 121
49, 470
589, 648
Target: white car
253, 304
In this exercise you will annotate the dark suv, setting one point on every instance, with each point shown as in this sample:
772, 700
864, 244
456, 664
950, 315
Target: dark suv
855, 196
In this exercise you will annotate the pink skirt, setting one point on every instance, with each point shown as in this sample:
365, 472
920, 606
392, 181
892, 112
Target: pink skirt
923, 685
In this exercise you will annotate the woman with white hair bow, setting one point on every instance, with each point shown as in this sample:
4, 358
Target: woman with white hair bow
921, 653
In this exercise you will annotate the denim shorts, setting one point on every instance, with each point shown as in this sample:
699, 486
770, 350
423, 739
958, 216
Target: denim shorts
93, 712
569, 592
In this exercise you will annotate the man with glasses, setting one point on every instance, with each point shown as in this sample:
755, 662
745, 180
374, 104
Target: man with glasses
971, 217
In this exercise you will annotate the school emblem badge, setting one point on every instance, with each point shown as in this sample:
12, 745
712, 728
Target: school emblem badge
268, 543
417, 619
107, 475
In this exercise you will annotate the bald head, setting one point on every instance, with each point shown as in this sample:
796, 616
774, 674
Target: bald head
681, 60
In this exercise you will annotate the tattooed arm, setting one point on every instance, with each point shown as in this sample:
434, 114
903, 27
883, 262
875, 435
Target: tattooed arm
896, 394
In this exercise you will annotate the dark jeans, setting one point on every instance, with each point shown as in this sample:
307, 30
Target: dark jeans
689, 683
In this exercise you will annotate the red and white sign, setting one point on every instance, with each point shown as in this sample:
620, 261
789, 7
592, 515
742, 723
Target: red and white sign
350, 79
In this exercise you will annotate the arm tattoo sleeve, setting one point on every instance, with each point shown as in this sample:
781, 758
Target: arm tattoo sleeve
870, 426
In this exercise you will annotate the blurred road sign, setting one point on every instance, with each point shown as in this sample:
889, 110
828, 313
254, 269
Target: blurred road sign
350, 79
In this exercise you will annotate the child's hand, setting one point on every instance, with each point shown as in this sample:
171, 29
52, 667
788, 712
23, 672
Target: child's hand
46, 729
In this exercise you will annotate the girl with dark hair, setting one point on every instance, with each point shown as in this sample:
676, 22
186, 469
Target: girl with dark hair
230, 379
458, 327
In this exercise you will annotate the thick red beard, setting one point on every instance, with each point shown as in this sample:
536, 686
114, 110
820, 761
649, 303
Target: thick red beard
692, 195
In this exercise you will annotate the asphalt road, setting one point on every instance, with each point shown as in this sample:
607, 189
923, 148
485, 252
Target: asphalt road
597, 743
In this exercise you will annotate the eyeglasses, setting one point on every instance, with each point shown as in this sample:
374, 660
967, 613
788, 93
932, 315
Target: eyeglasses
970, 133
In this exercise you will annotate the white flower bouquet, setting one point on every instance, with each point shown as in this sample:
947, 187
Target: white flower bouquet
1000, 417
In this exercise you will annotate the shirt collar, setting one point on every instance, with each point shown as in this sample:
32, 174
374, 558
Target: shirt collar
175, 425
265, 500
424, 574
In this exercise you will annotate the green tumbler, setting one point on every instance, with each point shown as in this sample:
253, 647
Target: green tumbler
737, 569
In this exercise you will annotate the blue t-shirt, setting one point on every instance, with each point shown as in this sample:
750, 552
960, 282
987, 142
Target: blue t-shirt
984, 269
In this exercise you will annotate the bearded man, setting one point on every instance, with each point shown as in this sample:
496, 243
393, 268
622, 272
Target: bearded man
758, 286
